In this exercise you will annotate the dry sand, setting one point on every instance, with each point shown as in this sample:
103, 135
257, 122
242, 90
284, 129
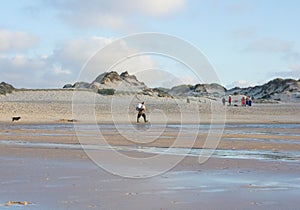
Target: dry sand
52, 106
65, 178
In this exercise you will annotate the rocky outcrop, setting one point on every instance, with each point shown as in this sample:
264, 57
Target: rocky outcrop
126, 83
286, 90
198, 90
156, 92
67, 86
78, 85
6, 88
81, 85
121, 83
107, 78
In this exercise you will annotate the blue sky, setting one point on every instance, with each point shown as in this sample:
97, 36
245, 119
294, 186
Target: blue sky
44, 44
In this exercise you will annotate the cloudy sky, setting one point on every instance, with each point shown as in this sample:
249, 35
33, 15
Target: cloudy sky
47, 43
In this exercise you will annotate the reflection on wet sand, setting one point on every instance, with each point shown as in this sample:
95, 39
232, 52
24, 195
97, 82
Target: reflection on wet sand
256, 166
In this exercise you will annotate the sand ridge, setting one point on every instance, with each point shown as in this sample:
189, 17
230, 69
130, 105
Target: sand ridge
37, 106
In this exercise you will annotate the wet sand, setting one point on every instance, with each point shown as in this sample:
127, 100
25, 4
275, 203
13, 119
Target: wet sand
60, 179
255, 165
37, 167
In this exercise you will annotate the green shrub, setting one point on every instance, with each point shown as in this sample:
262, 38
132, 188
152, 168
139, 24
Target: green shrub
106, 91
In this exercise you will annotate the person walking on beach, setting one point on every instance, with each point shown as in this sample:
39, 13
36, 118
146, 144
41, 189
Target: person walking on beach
250, 102
141, 108
243, 101
247, 101
223, 101
229, 101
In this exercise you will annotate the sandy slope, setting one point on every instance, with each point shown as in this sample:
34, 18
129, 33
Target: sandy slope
55, 105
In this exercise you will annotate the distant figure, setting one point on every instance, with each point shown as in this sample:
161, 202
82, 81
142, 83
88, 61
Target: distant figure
247, 101
223, 101
141, 108
229, 101
15, 119
250, 102
243, 101
188, 100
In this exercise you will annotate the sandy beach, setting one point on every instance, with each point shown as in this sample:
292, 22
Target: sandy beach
159, 105
52, 106
255, 164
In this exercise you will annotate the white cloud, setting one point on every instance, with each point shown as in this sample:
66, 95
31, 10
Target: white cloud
54, 70
159, 8
66, 63
21, 71
239, 83
74, 53
11, 41
113, 14
58, 70
87, 60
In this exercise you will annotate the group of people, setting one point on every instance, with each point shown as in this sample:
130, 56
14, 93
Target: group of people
245, 101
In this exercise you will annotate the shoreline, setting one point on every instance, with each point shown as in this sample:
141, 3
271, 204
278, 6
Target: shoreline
42, 161
233, 136
56, 179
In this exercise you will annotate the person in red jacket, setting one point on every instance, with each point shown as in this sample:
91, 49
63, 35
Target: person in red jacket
243, 101
229, 100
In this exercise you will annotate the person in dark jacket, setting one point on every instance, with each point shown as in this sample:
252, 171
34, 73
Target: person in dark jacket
141, 108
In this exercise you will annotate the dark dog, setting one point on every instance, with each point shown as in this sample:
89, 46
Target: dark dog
15, 119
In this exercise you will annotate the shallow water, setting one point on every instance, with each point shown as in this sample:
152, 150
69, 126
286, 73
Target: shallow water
153, 130
268, 129
292, 156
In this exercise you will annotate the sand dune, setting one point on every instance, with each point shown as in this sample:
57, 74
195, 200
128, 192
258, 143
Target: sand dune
54, 105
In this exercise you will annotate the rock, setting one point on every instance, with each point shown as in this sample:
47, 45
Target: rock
106, 91
107, 78
121, 83
124, 74
68, 86
6, 88
214, 90
20, 203
80, 85
148, 92
156, 92
181, 90
161, 93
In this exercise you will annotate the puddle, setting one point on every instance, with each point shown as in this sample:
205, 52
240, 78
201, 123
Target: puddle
14, 182
232, 154
91, 130
69, 177
225, 180
94, 129
293, 156
266, 140
263, 129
